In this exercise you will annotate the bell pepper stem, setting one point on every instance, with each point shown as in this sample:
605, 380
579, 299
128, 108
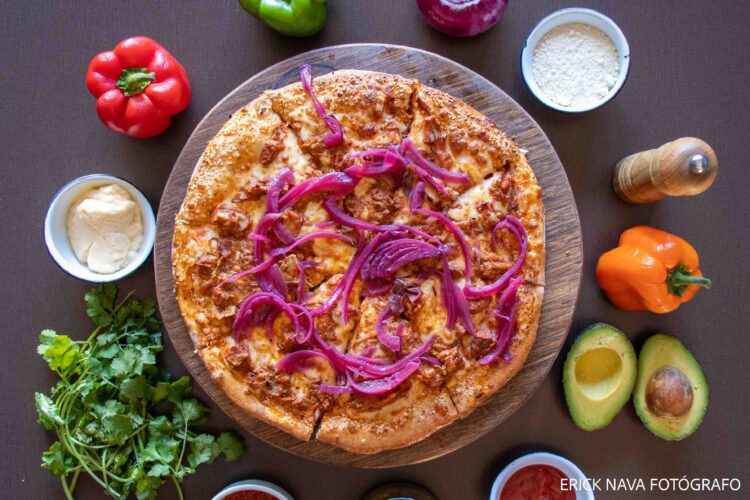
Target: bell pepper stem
133, 81
680, 278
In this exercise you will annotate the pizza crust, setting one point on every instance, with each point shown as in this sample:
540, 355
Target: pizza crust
412, 416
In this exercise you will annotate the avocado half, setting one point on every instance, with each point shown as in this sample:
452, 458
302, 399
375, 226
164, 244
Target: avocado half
598, 376
671, 394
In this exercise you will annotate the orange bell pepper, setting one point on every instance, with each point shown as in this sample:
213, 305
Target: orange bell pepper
650, 269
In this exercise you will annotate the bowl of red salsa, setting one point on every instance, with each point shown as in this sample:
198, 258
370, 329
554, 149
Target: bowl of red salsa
541, 475
253, 489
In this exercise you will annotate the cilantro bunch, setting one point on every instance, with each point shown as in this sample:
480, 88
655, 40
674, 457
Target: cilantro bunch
104, 407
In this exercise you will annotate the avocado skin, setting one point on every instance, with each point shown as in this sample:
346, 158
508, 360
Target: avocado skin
588, 339
670, 428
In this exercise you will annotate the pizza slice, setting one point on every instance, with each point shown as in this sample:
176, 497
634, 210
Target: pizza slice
373, 110
213, 250
475, 380
457, 138
416, 408
224, 202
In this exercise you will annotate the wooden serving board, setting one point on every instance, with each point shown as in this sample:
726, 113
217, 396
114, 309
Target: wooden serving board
564, 253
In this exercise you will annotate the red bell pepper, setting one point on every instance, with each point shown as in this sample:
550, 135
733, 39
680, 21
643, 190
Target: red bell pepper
138, 87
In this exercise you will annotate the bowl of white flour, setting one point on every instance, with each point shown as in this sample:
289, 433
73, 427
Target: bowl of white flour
575, 60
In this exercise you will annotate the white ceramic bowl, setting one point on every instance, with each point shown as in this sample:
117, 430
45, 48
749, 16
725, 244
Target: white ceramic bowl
56, 234
568, 16
254, 485
541, 458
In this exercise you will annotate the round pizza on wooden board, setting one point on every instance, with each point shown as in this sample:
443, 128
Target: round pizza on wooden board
425, 222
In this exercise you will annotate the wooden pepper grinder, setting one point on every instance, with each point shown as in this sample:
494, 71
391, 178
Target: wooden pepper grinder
684, 167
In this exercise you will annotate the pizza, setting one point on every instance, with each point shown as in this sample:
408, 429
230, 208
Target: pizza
359, 259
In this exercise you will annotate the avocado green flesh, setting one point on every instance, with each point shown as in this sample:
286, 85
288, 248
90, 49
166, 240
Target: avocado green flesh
664, 350
598, 376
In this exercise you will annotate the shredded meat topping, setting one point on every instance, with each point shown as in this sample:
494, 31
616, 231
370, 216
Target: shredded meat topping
479, 305
326, 327
232, 294
205, 264
482, 342
270, 383
292, 221
314, 400
284, 339
379, 204
274, 384
250, 192
236, 254
431, 375
502, 189
451, 359
410, 339
288, 267
237, 356
273, 146
433, 227
231, 222
489, 265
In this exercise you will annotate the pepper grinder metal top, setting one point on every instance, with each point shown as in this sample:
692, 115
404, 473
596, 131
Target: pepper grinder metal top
684, 167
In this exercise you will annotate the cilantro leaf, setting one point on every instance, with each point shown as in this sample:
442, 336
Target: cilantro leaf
149, 307
132, 389
203, 449
160, 392
46, 337
190, 411
117, 428
160, 426
159, 450
126, 363
159, 470
56, 461
231, 445
179, 389
106, 338
145, 488
47, 413
109, 409
57, 350
100, 303
146, 356
110, 352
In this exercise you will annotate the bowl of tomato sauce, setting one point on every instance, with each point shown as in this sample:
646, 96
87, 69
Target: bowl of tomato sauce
541, 475
253, 489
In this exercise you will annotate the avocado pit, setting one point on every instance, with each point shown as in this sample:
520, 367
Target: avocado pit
669, 393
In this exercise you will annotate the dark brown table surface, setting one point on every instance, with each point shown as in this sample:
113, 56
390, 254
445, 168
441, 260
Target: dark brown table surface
689, 76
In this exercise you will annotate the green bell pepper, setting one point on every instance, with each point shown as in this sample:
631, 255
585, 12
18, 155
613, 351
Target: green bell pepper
289, 17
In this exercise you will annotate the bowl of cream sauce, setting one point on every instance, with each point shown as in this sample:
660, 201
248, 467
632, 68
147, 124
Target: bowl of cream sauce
99, 228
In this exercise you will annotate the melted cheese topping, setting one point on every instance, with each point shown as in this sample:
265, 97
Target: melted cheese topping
468, 201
